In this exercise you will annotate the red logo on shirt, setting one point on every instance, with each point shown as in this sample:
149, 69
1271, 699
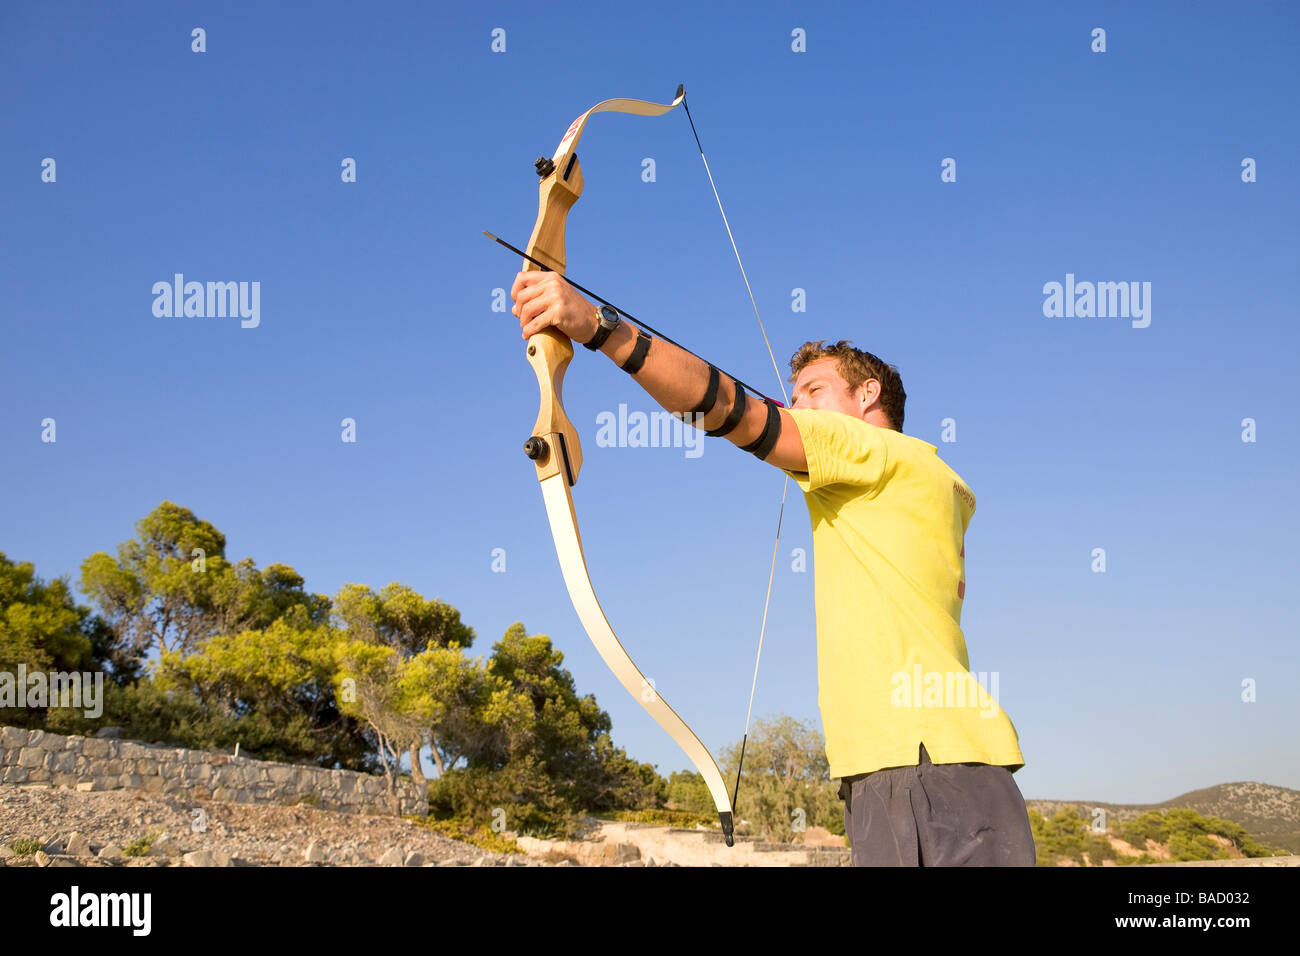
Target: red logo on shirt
965, 494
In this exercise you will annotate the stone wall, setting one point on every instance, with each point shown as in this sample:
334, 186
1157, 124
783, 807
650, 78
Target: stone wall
94, 763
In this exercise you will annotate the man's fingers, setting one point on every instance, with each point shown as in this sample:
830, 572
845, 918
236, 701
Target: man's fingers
531, 304
524, 293
539, 299
534, 311
527, 279
529, 285
531, 325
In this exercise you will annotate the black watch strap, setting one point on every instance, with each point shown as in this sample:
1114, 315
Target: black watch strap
597, 340
602, 330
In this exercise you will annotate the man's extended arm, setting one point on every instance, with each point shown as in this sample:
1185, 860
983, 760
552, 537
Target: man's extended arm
679, 382
673, 377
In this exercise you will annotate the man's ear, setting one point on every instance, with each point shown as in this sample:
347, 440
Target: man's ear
869, 393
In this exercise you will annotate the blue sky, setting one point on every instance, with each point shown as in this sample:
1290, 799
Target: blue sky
376, 305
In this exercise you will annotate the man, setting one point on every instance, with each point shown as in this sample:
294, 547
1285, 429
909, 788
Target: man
925, 756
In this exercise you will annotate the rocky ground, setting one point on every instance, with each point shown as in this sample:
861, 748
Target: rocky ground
76, 828
92, 829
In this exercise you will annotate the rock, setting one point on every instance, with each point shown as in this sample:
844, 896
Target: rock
110, 732
77, 845
392, 858
314, 853
62, 762
532, 844
31, 757
206, 858
6, 853
414, 858
820, 836
164, 846
86, 786
110, 852
42, 858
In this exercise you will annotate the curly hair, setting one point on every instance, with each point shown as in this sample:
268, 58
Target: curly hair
855, 367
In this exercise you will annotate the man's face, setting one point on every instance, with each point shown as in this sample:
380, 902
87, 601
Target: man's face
819, 385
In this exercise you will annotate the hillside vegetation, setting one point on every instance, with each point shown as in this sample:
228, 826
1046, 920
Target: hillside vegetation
1067, 838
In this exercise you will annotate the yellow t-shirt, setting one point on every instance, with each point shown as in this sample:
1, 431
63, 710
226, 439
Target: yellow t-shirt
888, 521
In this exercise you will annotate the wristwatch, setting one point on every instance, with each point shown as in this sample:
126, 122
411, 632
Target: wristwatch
609, 320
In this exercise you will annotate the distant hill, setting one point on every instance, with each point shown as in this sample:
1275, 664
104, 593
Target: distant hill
1270, 814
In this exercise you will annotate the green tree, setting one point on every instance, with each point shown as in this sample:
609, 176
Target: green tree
532, 747
401, 699
399, 618
272, 689
40, 623
786, 784
1060, 836
688, 791
171, 587
44, 629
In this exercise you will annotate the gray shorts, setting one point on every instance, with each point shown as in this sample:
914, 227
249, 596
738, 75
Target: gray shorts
948, 814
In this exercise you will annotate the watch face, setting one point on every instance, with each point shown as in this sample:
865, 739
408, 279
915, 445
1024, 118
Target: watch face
608, 314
